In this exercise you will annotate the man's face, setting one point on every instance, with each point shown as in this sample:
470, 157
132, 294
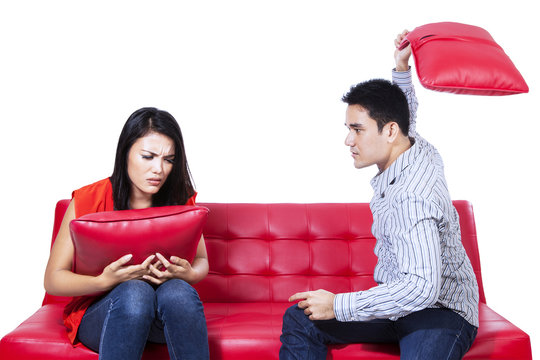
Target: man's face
368, 145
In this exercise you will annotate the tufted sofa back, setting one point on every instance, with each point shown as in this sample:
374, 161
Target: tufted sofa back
267, 252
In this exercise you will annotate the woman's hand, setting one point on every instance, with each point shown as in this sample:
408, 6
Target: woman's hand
402, 56
175, 268
118, 272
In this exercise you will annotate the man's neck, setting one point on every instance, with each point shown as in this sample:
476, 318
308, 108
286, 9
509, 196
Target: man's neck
404, 144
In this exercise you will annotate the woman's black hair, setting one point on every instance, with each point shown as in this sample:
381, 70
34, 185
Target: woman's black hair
178, 187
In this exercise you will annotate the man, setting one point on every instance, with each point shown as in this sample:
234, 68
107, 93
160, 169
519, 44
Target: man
427, 296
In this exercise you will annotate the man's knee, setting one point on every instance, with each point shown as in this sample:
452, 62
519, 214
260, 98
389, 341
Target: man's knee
300, 339
292, 313
294, 318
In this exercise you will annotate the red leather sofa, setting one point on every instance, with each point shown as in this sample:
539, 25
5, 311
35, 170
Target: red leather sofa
259, 255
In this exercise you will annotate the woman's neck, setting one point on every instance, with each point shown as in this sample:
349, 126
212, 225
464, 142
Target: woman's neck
140, 202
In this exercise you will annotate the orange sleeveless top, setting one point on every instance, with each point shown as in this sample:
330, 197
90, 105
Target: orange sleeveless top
92, 198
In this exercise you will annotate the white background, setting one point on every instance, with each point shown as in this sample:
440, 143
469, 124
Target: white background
256, 88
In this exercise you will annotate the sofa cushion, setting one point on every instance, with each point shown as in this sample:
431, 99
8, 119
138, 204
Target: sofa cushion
235, 329
103, 237
248, 329
463, 59
240, 330
43, 336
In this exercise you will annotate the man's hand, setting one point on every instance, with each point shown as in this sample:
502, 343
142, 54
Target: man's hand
402, 56
318, 305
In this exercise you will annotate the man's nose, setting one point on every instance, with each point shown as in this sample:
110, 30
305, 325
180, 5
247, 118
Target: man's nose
349, 140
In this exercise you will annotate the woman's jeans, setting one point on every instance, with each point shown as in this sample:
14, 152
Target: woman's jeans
427, 334
119, 324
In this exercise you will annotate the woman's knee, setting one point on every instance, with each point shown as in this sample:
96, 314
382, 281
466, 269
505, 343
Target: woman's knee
178, 294
134, 298
174, 289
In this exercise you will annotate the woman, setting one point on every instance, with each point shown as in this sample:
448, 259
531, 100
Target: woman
152, 301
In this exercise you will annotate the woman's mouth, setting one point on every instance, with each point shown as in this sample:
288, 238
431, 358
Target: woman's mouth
154, 181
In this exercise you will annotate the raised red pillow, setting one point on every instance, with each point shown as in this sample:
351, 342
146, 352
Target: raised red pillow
462, 59
103, 237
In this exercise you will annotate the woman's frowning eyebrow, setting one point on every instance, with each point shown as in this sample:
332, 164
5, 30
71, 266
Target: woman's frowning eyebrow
154, 154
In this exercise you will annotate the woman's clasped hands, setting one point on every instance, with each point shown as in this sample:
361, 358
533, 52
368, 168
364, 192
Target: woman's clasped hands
153, 272
174, 268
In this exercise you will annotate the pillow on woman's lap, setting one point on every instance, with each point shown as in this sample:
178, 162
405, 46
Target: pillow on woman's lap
103, 237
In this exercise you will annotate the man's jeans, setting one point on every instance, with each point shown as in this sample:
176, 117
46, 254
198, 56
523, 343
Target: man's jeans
118, 325
427, 334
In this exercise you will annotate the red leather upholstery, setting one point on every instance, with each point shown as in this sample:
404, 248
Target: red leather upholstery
259, 255
462, 59
103, 237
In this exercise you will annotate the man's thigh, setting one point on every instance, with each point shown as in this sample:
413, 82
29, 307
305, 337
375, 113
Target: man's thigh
375, 331
434, 334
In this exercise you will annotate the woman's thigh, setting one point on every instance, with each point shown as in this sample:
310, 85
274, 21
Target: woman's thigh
128, 298
178, 305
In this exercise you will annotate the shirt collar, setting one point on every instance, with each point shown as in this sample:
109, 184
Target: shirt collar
382, 180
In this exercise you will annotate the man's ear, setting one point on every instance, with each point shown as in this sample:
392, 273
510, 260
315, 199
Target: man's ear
391, 131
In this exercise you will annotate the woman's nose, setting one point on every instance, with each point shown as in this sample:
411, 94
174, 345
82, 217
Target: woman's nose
157, 166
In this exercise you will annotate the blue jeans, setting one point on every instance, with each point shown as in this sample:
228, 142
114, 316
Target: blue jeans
119, 324
426, 334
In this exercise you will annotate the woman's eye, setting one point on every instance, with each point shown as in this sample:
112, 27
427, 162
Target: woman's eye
170, 161
147, 157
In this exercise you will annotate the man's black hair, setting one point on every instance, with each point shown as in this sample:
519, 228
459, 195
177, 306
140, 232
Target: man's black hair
385, 102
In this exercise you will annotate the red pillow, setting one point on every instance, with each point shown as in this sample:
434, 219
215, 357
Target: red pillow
103, 237
462, 59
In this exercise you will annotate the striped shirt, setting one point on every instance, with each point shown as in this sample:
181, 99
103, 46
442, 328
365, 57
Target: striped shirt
421, 260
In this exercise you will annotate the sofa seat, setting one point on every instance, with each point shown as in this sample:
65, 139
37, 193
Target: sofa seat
228, 323
259, 255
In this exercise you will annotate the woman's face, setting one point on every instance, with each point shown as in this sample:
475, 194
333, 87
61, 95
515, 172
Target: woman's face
150, 161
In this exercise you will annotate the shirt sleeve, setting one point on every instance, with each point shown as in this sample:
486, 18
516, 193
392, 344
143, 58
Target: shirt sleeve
416, 281
403, 79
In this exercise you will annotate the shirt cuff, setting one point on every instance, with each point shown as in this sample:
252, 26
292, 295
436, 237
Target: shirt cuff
344, 306
402, 78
